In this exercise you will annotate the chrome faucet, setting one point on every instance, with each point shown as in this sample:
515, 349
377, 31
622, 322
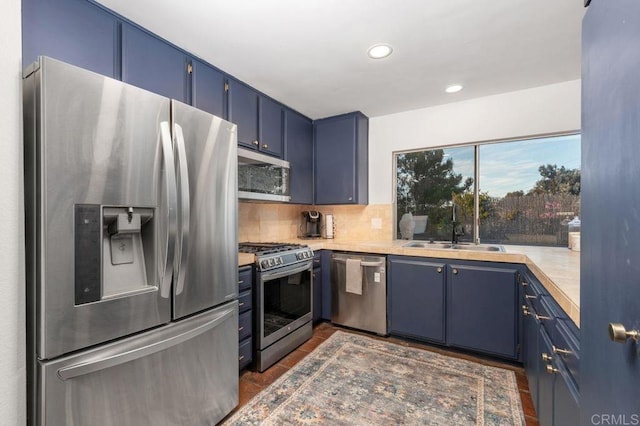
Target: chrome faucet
454, 221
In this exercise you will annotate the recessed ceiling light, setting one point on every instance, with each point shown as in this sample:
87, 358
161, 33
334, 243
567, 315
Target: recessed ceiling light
453, 88
379, 51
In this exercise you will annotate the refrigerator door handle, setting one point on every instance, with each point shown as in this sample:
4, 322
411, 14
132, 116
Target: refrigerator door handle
166, 271
91, 366
184, 213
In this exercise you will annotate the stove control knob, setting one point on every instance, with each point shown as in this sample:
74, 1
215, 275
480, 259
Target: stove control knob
264, 264
279, 261
306, 254
299, 256
271, 262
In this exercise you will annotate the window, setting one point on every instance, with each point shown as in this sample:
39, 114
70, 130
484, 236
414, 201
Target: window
521, 192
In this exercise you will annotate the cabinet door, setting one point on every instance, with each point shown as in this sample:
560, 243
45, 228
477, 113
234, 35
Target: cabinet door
546, 379
74, 31
416, 298
208, 89
325, 256
299, 152
566, 410
482, 309
341, 159
531, 352
153, 64
271, 131
243, 111
317, 294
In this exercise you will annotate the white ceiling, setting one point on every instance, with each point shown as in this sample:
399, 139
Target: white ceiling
311, 54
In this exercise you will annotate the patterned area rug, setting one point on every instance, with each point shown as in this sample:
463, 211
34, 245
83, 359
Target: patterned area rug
356, 380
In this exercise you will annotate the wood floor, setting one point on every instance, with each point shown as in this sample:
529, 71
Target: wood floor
252, 382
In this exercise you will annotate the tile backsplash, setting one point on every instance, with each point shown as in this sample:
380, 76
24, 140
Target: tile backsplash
279, 222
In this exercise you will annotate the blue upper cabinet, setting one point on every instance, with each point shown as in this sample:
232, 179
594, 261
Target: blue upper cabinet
73, 31
152, 64
341, 159
208, 89
299, 153
243, 111
270, 123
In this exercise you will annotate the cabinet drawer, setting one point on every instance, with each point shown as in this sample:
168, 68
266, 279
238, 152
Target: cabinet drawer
544, 312
567, 349
245, 278
245, 353
244, 325
244, 301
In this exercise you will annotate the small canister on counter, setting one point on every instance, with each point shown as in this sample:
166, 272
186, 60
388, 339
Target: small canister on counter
574, 234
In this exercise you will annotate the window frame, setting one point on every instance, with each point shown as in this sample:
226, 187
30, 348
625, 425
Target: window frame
476, 173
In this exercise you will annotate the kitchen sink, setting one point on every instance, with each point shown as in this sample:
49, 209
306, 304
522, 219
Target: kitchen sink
427, 244
449, 246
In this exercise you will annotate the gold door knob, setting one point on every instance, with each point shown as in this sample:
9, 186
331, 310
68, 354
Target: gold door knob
546, 357
265, 146
618, 333
551, 369
525, 310
256, 143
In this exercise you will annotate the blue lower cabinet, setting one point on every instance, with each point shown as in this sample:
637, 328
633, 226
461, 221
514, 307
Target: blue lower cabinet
416, 298
566, 410
245, 353
325, 258
245, 317
482, 309
552, 358
317, 294
545, 379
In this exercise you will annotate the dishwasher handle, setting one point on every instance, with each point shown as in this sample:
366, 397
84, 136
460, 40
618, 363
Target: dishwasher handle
362, 263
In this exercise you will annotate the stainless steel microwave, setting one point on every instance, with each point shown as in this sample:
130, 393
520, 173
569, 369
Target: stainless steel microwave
262, 177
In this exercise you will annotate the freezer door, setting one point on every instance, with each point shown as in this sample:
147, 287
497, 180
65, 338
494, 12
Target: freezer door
98, 179
206, 267
185, 373
365, 311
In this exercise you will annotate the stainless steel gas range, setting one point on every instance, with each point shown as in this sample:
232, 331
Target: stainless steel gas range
283, 299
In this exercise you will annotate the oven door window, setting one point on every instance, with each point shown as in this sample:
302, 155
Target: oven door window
286, 299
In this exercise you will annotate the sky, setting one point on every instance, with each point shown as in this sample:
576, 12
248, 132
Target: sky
512, 166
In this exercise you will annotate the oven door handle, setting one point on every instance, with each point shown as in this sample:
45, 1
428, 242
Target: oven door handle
307, 266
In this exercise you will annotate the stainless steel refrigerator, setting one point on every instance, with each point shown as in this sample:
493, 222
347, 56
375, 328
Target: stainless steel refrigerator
131, 230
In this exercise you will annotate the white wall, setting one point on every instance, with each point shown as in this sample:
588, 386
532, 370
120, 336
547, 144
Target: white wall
546, 109
12, 281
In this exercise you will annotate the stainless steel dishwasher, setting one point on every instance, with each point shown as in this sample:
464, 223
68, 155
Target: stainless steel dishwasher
359, 292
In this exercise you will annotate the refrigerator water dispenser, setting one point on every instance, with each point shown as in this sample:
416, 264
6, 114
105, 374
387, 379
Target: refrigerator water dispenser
126, 253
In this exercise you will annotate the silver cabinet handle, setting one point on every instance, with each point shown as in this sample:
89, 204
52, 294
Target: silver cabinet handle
362, 263
455, 271
241, 282
528, 296
91, 366
240, 328
184, 212
240, 304
171, 209
557, 350
618, 333
543, 317
241, 358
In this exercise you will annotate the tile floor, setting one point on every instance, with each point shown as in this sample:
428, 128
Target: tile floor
252, 382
